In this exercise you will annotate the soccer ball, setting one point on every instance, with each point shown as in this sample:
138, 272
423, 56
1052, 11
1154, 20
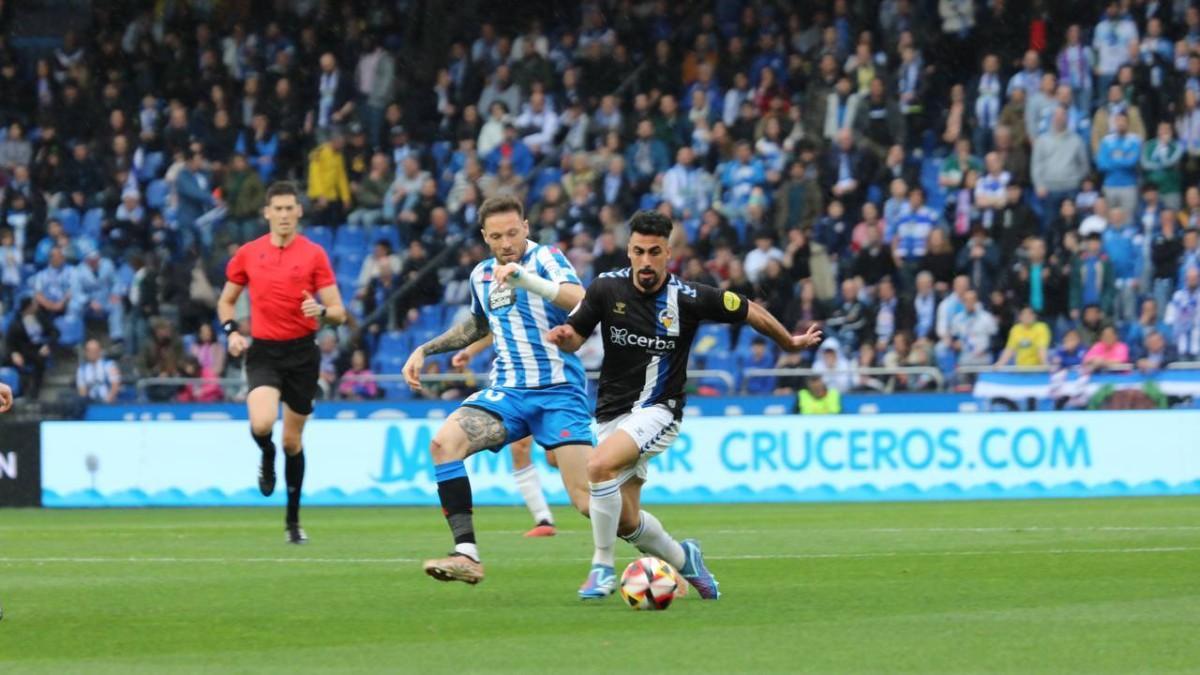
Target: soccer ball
649, 583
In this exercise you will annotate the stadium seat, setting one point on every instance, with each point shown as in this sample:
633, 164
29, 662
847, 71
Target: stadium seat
151, 165
320, 235
92, 220
441, 152
544, 177
70, 330
156, 194
348, 263
394, 342
70, 221
350, 238
388, 233
711, 338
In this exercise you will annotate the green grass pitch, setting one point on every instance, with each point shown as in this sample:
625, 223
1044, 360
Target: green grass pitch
1083, 586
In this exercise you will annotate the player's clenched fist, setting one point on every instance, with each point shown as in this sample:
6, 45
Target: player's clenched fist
310, 306
237, 344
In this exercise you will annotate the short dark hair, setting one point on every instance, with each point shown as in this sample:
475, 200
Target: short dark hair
651, 223
282, 188
500, 204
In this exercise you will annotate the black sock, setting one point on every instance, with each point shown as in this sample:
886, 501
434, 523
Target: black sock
454, 490
264, 443
293, 471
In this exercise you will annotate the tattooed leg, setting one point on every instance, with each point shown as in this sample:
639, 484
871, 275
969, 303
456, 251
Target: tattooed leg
466, 432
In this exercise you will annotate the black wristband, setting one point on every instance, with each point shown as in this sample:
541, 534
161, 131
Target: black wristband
229, 327
324, 311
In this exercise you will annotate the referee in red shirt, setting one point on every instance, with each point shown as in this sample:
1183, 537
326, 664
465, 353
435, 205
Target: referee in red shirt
283, 271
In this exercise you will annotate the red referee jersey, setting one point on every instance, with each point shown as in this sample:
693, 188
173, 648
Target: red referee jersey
276, 279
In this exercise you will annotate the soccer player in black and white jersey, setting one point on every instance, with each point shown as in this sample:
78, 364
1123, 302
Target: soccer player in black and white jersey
648, 319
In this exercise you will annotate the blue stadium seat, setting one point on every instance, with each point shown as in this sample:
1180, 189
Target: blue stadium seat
394, 342
156, 194
70, 221
320, 235
441, 152
350, 238
150, 167
92, 220
711, 339
431, 318
388, 233
70, 330
12, 378
544, 177
348, 264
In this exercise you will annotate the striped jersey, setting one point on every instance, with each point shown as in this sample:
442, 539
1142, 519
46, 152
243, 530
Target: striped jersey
519, 321
648, 337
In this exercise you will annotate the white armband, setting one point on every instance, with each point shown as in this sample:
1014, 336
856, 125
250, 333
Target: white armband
534, 284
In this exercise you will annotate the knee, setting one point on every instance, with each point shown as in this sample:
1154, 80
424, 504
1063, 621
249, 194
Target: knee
292, 446
443, 451
599, 470
261, 427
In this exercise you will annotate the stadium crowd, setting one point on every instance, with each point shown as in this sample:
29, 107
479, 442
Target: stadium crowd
938, 183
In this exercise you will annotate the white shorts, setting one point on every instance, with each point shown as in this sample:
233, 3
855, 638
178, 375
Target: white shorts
654, 429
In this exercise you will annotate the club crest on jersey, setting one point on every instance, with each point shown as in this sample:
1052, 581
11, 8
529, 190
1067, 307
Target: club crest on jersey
619, 308
502, 298
667, 318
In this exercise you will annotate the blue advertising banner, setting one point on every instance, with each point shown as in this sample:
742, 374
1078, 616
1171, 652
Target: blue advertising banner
750, 459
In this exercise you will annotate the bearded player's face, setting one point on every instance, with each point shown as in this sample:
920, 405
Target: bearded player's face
283, 212
506, 234
648, 256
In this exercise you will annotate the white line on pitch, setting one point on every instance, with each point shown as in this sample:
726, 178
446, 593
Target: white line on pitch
772, 556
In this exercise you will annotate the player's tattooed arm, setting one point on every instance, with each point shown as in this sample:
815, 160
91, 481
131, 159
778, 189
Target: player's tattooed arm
458, 336
482, 429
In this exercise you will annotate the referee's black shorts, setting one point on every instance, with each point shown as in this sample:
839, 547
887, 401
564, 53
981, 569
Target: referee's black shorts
291, 366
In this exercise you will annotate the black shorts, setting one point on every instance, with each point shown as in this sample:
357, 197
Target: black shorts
292, 366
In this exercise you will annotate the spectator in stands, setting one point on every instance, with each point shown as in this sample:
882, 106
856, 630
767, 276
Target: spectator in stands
1162, 159
1117, 158
1092, 278
832, 231
953, 170
848, 319
763, 252
11, 258
833, 367
818, 398
208, 352
875, 260
203, 388
97, 379
260, 145
243, 194
1183, 316
972, 330
334, 96
1156, 353
887, 316
52, 286
1028, 342
328, 182
909, 234
193, 187
686, 187
28, 341
979, 261
358, 383
513, 150
1070, 353
758, 357
96, 294
845, 171
161, 356
1060, 164
1108, 352
648, 156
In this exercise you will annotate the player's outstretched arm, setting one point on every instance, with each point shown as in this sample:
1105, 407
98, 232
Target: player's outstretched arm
762, 321
565, 338
459, 336
226, 312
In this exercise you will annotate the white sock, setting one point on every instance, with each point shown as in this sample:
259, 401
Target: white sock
469, 550
650, 537
605, 509
531, 490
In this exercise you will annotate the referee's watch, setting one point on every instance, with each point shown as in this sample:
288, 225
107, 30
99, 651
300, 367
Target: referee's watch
324, 311
230, 327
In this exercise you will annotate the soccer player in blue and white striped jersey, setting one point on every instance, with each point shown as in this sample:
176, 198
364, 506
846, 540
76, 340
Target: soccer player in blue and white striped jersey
536, 390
